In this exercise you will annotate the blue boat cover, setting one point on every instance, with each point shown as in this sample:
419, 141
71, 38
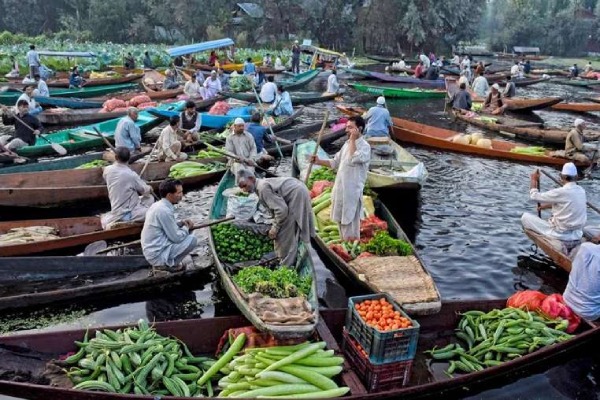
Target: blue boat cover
66, 53
199, 47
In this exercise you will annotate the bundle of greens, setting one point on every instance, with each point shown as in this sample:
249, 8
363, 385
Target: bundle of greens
94, 164
188, 169
280, 283
240, 83
234, 244
384, 245
206, 154
531, 150
320, 174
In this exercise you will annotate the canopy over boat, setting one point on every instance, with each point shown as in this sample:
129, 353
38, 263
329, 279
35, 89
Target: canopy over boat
199, 47
69, 54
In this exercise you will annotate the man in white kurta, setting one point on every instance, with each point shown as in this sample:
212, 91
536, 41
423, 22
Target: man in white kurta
165, 241
130, 197
333, 86
241, 144
583, 290
480, 86
168, 145
569, 212
192, 88
352, 165
425, 60
288, 200
212, 86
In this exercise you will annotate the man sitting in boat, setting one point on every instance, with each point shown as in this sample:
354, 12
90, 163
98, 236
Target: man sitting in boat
583, 290
147, 62
283, 103
352, 165
14, 71
191, 121
588, 68
493, 102
129, 61
433, 73
288, 200
419, 70
130, 197
168, 144
127, 133
515, 70
527, 67
192, 88
569, 213
212, 86
24, 134
575, 148
333, 86
573, 71
170, 80
249, 68
166, 241
261, 136
28, 96
510, 90
75, 80
461, 99
241, 144
379, 121
480, 85
42, 87
269, 91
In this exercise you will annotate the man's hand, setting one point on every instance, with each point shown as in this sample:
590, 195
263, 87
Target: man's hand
36, 132
188, 223
312, 159
354, 134
535, 178
273, 233
541, 207
535, 174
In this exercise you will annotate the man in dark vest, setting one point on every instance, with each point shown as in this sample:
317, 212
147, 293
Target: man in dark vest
191, 121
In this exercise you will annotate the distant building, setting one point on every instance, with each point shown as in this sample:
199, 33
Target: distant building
246, 10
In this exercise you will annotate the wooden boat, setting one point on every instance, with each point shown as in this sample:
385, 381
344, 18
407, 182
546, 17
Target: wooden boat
64, 83
65, 116
430, 306
73, 232
383, 59
584, 83
68, 102
152, 84
11, 97
210, 120
304, 266
359, 72
439, 138
80, 186
592, 99
576, 107
399, 92
298, 98
521, 82
36, 281
299, 80
228, 67
202, 336
119, 69
557, 256
549, 71
407, 80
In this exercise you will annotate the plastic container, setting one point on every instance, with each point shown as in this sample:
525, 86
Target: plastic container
376, 378
382, 347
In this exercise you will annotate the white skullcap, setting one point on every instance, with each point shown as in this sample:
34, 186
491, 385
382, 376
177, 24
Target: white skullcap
569, 169
239, 121
578, 122
496, 86
213, 72
295, 41
381, 100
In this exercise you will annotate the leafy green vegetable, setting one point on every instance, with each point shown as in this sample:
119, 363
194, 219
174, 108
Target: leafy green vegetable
280, 283
94, 164
383, 244
234, 244
320, 174
188, 169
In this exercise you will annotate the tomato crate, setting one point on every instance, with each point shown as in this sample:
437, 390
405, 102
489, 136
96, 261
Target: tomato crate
376, 378
382, 347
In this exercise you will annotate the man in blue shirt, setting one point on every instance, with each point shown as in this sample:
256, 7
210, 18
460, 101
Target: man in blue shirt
249, 67
127, 133
378, 120
261, 136
283, 103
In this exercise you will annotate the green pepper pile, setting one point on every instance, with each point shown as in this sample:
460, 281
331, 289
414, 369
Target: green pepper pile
138, 361
234, 244
383, 245
320, 174
500, 335
280, 283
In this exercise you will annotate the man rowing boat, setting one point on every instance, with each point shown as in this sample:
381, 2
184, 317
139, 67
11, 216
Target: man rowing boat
575, 148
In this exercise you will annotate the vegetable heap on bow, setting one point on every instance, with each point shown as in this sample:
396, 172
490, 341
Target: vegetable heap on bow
234, 244
282, 282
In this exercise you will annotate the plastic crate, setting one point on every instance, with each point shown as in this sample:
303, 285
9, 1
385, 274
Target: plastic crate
382, 347
376, 378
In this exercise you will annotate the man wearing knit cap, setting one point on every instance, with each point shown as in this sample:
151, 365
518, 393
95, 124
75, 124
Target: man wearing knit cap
379, 121
575, 149
241, 143
569, 214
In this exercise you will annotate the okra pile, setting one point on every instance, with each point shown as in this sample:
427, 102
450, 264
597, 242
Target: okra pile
302, 371
490, 339
139, 361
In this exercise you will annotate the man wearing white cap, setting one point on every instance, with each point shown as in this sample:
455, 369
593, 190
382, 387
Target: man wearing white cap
575, 149
212, 86
493, 102
379, 121
241, 143
569, 213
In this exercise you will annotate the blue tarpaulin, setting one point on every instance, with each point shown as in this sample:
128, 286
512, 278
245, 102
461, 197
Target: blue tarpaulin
199, 47
66, 53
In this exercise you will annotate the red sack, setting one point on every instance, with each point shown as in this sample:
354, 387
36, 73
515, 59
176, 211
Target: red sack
111, 104
147, 105
219, 108
554, 307
319, 187
340, 251
527, 299
140, 99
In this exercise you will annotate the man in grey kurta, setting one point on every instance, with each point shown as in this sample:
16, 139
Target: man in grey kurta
241, 143
288, 200
352, 165
164, 240
130, 197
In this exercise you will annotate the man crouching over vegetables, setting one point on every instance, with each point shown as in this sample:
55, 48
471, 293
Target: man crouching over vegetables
352, 165
289, 201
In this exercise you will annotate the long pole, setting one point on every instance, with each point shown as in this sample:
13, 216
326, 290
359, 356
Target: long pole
270, 128
310, 165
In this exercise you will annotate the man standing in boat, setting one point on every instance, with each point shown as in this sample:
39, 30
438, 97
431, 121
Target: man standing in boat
569, 212
288, 200
127, 133
352, 165
333, 86
166, 241
295, 58
33, 59
379, 120
130, 197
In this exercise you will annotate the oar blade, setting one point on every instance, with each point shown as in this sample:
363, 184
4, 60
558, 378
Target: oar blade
93, 248
59, 149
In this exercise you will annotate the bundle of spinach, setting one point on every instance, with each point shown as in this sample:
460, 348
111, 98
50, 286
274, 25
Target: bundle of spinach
279, 283
383, 245
320, 174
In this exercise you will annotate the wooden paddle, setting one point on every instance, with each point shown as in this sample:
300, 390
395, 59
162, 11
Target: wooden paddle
193, 228
539, 205
106, 141
310, 165
590, 205
270, 128
55, 146
238, 159
148, 160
